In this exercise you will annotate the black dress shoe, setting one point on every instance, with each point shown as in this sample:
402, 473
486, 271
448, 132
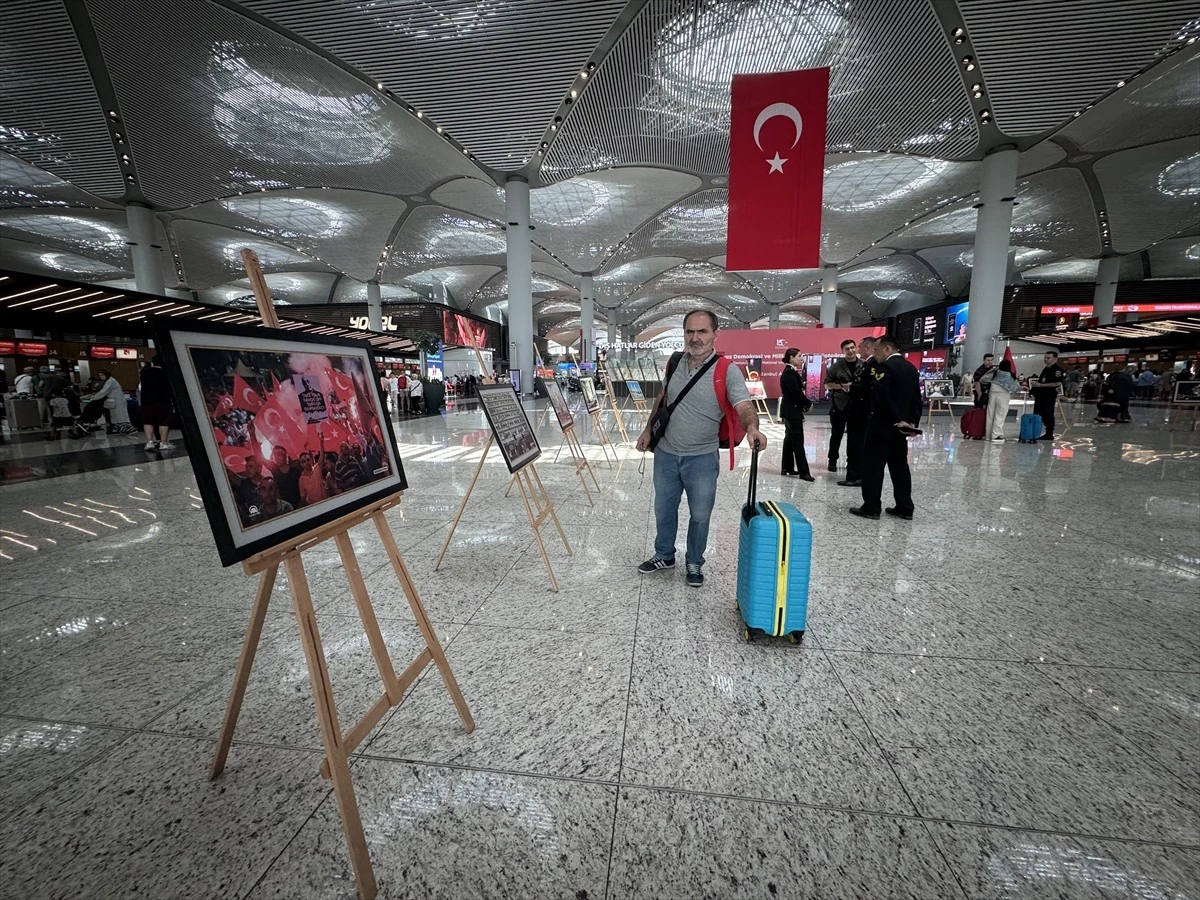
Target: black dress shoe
848, 483
806, 478
833, 465
788, 474
864, 512
899, 513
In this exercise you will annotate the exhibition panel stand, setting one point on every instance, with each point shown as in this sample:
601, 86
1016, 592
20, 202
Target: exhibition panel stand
612, 402
591, 402
288, 553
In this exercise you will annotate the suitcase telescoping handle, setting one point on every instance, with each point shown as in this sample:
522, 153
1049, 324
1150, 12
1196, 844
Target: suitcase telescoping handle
752, 493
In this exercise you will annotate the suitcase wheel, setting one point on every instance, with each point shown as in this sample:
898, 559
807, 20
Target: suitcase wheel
747, 635
795, 637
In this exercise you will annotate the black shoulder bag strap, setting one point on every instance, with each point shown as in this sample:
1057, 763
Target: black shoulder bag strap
662, 417
671, 371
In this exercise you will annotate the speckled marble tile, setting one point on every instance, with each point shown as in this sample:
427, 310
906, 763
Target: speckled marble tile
765, 720
670, 607
686, 845
45, 627
544, 703
35, 754
590, 597
995, 743
1157, 711
455, 834
998, 864
144, 821
278, 707
129, 675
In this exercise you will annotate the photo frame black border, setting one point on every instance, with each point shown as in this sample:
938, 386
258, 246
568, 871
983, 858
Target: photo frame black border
595, 394
483, 390
194, 433
553, 385
1176, 395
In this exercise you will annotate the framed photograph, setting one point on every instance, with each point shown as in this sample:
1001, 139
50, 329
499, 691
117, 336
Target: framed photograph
561, 411
286, 431
635, 391
1186, 392
590, 400
758, 390
509, 425
936, 387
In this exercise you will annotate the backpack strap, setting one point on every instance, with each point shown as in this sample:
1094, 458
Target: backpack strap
720, 389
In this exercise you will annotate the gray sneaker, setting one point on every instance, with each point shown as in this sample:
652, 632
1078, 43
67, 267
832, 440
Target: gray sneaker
656, 564
694, 576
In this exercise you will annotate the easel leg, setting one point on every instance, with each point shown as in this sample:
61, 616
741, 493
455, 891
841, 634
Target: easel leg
418, 610
266, 584
366, 613
526, 487
553, 515
331, 735
462, 506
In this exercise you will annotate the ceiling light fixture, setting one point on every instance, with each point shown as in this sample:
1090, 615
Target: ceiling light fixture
1121, 83
959, 31
420, 114
112, 114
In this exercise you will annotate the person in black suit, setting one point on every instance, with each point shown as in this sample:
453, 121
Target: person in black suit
793, 404
895, 412
858, 411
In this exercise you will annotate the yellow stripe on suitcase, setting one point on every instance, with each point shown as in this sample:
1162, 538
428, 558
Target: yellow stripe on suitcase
781, 581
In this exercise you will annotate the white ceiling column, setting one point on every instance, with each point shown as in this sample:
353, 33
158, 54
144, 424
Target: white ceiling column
829, 280
147, 272
997, 189
587, 318
520, 280
773, 316
374, 306
1108, 273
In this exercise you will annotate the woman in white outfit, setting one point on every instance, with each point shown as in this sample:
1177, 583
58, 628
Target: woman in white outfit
111, 399
1004, 385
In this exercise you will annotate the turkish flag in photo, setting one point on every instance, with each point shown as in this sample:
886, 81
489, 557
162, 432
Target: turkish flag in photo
777, 170
246, 397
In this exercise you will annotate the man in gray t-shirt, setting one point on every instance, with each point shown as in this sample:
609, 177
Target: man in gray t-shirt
686, 459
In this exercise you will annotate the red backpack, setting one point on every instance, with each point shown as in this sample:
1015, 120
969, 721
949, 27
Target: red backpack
730, 433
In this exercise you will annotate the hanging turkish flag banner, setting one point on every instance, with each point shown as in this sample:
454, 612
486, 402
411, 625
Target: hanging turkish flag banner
776, 170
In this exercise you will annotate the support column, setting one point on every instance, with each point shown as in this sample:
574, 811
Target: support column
143, 233
374, 306
829, 296
612, 333
845, 319
587, 318
773, 316
1108, 274
520, 280
997, 190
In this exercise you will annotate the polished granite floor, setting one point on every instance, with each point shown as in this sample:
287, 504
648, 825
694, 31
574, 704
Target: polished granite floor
998, 699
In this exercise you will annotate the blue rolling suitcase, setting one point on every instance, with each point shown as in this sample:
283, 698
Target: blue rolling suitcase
1031, 428
774, 559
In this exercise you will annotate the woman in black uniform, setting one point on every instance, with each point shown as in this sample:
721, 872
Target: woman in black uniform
793, 404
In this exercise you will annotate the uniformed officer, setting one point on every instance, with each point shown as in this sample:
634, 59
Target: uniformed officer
895, 412
857, 412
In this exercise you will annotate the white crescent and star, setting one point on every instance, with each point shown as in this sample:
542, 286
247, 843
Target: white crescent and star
787, 111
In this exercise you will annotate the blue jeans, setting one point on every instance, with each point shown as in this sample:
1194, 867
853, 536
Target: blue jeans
673, 476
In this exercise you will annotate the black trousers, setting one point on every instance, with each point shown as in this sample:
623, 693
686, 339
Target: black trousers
837, 427
1044, 407
794, 459
886, 450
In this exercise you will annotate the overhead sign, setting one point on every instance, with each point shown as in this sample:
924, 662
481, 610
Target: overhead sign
127, 353
96, 352
1123, 308
8, 348
776, 170
24, 348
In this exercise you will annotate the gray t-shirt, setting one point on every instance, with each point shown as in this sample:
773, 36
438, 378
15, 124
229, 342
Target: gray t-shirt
694, 422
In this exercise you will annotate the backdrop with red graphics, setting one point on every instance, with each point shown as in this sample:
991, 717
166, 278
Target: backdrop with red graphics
761, 350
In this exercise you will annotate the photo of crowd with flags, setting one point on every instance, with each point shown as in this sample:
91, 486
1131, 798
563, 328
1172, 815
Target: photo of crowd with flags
292, 429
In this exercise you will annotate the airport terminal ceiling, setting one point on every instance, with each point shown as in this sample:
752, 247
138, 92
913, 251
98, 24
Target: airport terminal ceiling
356, 142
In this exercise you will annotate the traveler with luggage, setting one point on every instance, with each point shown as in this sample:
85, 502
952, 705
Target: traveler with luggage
858, 411
895, 412
793, 404
109, 400
1045, 392
1122, 384
23, 385
701, 392
979, 386
838, 379
1003, 386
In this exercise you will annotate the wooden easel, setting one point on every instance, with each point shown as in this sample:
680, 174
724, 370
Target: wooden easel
612, 402
605, 443
338, 746
538, 508
939, 404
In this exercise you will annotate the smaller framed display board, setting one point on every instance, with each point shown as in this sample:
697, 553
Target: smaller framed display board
1186, 392
511, 428
590, 399
559, 404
